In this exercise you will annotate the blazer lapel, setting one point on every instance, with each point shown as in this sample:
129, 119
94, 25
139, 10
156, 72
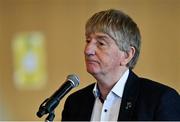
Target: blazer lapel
129, 98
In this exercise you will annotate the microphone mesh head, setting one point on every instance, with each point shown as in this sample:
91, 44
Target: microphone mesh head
74, 79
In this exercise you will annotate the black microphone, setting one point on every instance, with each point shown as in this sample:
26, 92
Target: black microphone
51, 103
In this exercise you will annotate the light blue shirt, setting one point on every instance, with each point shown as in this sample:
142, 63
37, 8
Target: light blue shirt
109, 110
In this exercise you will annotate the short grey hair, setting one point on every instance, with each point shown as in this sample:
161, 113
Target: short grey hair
120, 27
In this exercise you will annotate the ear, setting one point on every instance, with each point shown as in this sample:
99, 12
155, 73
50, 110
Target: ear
128, 56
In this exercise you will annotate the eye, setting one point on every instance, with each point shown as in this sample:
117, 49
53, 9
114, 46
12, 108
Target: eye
101, 43
87, 40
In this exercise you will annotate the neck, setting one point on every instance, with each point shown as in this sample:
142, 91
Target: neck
107, 82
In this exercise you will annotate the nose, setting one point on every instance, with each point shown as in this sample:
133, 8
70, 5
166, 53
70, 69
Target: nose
90, 49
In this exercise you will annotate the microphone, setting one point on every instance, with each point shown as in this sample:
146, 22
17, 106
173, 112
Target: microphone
51, 103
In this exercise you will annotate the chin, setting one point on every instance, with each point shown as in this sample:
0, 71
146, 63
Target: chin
92, 72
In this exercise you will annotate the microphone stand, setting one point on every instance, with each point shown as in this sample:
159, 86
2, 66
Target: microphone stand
50, 117
43, 110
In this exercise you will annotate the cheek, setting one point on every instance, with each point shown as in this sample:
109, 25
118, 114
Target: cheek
117, 58
115, 61
110, 60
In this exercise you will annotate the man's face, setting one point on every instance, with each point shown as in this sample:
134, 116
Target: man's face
102, 55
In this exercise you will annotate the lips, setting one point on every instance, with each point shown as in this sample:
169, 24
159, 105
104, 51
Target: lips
91, 61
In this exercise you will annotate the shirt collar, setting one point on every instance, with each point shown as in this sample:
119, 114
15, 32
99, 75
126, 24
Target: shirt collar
118, 88
96, 91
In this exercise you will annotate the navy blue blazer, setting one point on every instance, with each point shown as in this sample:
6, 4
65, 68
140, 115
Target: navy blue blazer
142, 99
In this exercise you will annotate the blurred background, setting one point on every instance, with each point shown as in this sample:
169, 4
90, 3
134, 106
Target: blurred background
42, 41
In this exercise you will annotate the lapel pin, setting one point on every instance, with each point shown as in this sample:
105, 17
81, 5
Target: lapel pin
128, 105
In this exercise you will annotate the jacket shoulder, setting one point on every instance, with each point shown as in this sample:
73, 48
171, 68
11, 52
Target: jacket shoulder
151, 86
154, 100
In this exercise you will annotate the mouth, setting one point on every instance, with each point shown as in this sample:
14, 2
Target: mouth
91, 61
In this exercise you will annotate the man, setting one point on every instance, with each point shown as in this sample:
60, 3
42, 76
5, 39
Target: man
112, 48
